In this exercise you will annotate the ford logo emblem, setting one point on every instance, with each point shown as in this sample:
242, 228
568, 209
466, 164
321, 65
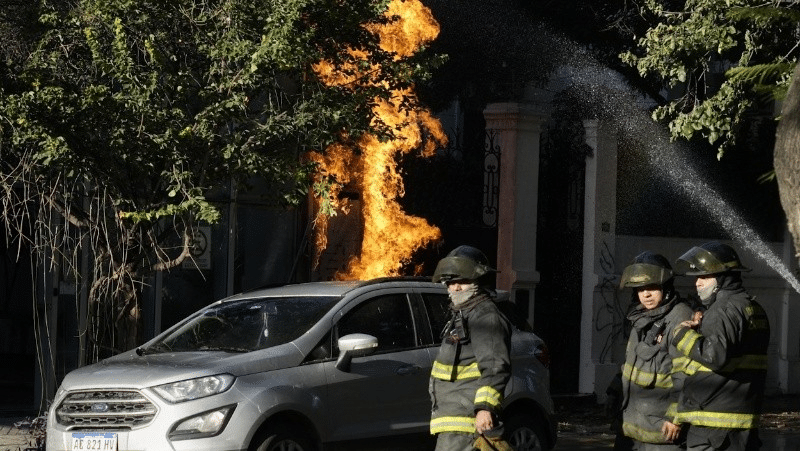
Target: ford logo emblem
99, 407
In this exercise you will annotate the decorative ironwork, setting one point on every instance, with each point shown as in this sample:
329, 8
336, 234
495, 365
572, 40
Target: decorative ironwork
491, 180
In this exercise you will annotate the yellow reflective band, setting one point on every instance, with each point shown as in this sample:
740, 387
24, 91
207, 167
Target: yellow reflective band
643, 435
453, 424
756, 320
445, 372
645, 378
687, 342
747, 362
679, 364
719, 419
488, 395
672, 410
688, 366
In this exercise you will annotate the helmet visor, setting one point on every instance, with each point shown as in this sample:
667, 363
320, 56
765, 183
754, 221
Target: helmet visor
699, 262
643, 274
458, 268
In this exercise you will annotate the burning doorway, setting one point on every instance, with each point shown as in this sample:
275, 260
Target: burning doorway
361, 230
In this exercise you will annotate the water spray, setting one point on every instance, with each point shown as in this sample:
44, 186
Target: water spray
626, 111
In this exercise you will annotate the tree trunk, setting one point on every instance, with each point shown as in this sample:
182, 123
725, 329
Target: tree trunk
787, 158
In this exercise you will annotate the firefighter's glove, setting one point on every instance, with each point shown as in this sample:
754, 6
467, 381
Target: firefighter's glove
487, 443
492, 440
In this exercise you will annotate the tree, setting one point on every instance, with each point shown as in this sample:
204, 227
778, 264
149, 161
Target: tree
119, 120
787, 160
691, 44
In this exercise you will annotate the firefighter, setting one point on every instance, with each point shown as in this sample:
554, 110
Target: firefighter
723, 354
473, 365
649, 392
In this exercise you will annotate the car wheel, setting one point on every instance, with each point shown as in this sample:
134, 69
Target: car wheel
282, 438
525, 433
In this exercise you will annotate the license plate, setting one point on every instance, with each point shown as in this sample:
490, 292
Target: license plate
102, 441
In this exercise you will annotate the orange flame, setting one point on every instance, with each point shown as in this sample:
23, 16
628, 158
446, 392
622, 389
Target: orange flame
390, 235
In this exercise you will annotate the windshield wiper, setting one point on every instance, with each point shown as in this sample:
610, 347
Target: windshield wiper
156, 348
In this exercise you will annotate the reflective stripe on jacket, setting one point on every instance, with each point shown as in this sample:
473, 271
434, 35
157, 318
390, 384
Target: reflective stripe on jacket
471, 374
649, 392
725, 362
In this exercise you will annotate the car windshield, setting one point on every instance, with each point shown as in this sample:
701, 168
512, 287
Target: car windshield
246, 325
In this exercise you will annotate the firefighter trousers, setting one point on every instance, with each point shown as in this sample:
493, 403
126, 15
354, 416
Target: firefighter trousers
702, 438
454, 441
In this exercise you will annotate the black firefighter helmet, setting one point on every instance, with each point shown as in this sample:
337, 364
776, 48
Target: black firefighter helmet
647, 268
462, 263
709, 258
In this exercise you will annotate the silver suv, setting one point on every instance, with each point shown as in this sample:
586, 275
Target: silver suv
299, 367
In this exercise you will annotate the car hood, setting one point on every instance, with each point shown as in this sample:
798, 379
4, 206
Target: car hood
130, 370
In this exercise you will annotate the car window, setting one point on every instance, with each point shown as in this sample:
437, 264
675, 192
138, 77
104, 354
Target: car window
246, 325
437, 306
387, 318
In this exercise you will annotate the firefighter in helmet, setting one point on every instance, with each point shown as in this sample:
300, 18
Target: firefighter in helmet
723, 354
473, 365
649, 393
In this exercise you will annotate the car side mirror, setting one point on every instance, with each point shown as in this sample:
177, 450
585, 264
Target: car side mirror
354, 345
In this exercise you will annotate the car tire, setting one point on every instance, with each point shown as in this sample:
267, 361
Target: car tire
282, 438
525, 433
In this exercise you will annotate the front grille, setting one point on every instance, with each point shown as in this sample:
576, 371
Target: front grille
105, 409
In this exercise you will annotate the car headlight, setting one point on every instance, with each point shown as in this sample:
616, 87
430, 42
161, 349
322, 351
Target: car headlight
206, 424
194, 388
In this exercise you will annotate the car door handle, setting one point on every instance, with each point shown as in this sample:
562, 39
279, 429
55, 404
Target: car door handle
408, 369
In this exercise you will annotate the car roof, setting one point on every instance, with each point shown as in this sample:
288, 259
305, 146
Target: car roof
327, 288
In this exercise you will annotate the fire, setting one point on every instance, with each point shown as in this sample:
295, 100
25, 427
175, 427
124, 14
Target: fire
390, 235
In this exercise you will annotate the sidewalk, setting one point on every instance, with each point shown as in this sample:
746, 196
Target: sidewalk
584, 426
13, 438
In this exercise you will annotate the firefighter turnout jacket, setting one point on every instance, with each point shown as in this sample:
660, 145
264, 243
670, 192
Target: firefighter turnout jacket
725, 361
649, 393
472, 367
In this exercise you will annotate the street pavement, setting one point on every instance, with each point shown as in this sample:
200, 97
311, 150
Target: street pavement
582, 427
772, 441
15, 436
19, 438
593, 442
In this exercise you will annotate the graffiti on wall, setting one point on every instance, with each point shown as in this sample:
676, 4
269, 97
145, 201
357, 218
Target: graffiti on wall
611, 308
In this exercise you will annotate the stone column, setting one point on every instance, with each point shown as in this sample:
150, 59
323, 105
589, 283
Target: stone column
599, 236
515, 129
